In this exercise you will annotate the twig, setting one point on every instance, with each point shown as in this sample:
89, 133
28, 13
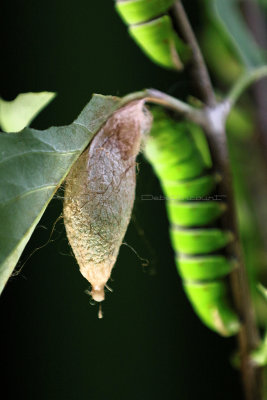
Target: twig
209, 117
157, 97
202, 78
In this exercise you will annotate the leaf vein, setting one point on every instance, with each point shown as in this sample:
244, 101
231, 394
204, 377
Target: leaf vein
27, 193
53, 153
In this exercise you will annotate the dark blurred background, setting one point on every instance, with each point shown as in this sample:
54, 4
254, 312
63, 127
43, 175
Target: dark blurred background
149, 345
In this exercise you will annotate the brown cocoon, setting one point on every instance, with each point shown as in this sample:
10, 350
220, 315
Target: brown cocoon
99, 194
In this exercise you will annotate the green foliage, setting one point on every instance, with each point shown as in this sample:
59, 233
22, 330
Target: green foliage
263, 3
16, 114
240, 123
229, 15
259, 356
243, 147
32, 167
263, 291
219, 52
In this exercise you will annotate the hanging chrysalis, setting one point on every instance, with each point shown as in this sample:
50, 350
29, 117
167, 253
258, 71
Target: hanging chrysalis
99, 194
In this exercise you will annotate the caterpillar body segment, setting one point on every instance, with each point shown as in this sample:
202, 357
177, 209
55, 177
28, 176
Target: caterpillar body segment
151, 27
160, 42
200, 241
190, 189
198, 214
138, 11
210, 302
194, 210
203, 268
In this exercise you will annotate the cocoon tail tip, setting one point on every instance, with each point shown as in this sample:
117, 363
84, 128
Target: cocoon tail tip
98, 294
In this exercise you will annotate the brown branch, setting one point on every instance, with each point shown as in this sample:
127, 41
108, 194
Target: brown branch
200, 72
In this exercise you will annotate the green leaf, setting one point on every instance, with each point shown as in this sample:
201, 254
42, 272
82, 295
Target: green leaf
220, 52
259, 356
262, 290
229, 15
18, 113
33, 164
263, 3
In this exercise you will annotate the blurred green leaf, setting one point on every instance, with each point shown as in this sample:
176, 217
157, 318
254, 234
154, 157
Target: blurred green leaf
220, 53
229, 15
263, 3
262, 290
243, 147
18, 113
33, 164
259, 356
240, 122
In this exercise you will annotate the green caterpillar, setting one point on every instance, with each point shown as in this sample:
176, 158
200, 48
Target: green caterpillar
180, 157
151, 27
